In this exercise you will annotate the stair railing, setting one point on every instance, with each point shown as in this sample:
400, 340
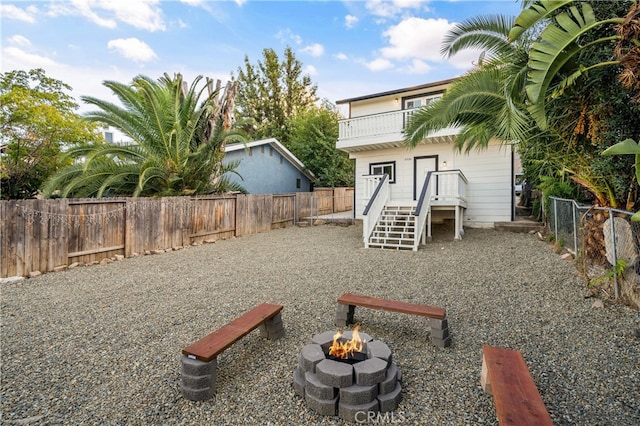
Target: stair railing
423, 209
374, 208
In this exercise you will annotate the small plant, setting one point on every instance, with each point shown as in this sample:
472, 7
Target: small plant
615, 271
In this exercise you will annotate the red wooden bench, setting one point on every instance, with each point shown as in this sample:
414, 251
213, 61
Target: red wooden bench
437, 316
199, 360
505, 375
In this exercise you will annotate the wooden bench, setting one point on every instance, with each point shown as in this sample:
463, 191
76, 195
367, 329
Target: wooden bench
199, 360
505, 376
437, 316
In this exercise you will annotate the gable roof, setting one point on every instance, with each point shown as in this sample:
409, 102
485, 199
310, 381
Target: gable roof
397, 91
275, 144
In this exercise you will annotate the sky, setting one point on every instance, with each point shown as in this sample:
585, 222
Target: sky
348, 48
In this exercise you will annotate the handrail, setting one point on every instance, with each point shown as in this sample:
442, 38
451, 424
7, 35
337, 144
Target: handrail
374, 208
422, 210
375, 194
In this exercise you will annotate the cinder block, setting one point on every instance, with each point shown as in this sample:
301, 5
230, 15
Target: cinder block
357, 413
348, 334
263, 331
390, 401
441, 343
370, 372
275, 334
196, 394
439, 333
484, 378
358, 395
378, 349
342, 315
341, 322
323, 338
195, 367
322, 406
334, 373
276, 319
310, 356
298, 382
315, 388
198, 382
438, 323
390, 381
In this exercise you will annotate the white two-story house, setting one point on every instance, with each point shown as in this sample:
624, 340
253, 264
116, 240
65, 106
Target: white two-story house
400, 191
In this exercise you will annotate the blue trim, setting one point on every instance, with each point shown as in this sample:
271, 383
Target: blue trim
375, 194
423, 195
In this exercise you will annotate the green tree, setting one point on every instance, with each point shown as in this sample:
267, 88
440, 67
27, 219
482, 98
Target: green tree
37, 122
487, 102
314, 134
178, 134
572, 27
271, 93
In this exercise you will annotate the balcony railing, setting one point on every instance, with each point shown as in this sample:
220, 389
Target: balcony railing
388, 123
382, 128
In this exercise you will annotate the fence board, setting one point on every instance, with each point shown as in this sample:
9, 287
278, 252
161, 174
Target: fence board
44, 234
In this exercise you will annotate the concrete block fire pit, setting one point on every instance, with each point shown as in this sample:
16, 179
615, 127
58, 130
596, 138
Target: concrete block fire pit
365, 382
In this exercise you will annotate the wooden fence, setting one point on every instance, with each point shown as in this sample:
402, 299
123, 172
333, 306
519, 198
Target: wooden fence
42, 235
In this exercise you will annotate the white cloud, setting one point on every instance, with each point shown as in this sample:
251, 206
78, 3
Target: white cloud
314, 50
419, 67
389, 9
350, 21
416, 38
286, 36
142, 14
19, 40
379, 64
11, 11
310, 70
17, 58
341, 56
132, 48
193, 2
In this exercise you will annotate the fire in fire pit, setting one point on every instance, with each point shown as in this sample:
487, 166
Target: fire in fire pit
346, 350
349, 374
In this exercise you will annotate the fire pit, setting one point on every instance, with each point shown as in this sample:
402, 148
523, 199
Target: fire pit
348, 374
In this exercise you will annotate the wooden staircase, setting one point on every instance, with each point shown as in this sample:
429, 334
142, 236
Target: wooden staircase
395, 229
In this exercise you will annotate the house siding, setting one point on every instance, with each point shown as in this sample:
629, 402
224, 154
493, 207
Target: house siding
265, 171
488, 173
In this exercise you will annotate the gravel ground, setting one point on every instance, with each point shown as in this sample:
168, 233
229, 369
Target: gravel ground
101, 344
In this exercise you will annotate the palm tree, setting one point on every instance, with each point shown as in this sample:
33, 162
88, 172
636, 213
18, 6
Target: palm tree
178, 143
569, 31
487, 102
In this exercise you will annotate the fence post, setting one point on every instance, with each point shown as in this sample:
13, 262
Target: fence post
555, 218
575, 229
615, 254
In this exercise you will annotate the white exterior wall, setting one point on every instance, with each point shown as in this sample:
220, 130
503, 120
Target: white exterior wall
488, 172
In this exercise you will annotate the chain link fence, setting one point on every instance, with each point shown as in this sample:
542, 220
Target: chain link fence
605, 243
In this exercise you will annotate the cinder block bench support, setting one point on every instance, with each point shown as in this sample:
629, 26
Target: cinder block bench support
437, 316
199, 360
505, 375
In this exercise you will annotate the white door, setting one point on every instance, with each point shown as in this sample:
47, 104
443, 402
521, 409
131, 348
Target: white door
422, 166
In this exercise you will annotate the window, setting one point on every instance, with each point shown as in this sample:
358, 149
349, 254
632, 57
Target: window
422, 100
298, 183
108, 136
384, 169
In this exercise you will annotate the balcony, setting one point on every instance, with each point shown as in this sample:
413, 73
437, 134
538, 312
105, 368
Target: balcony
380, 131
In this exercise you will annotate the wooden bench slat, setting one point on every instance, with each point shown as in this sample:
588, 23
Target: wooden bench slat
515, 394
392, 305
216, 342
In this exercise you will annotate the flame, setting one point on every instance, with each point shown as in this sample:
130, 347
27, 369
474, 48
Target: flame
344, 350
